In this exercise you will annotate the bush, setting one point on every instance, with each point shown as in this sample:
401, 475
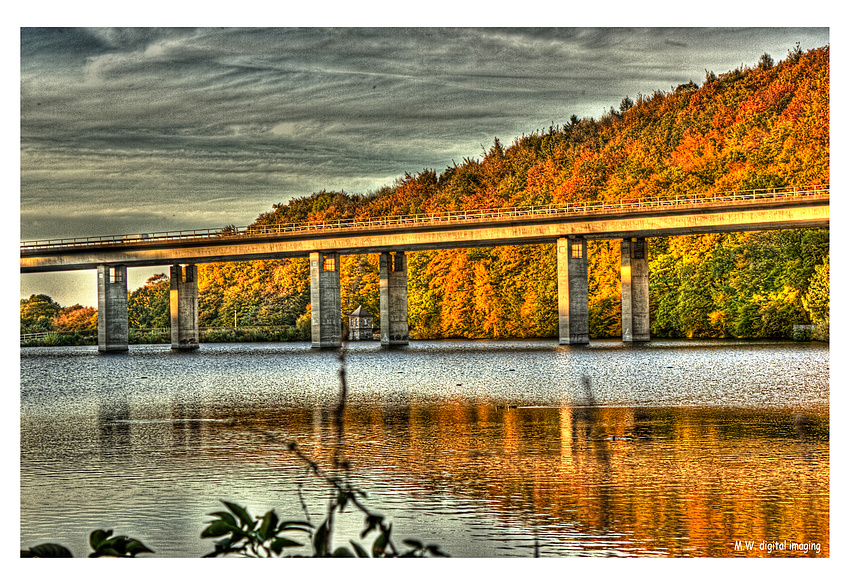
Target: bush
820, 330
136, 336
252, 334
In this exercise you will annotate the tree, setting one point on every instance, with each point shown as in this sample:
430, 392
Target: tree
38, 312
754, 127
816, 300
75, 318
149, 307
794, 54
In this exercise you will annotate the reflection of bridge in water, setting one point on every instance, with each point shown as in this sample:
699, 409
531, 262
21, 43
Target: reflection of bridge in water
391, 237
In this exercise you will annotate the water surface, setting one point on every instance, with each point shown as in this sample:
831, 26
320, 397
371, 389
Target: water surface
673, 448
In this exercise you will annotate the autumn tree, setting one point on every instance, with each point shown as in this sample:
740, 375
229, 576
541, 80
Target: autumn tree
75, 318
765, 126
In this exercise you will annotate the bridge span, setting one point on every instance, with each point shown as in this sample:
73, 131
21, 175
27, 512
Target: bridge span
569, 226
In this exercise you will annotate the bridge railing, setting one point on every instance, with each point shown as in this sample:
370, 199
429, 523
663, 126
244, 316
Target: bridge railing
431, 218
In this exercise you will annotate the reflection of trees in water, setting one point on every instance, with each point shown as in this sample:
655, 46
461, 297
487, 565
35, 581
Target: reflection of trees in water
689, 481
685, 481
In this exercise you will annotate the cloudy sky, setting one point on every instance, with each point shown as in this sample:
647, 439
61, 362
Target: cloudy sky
145, 130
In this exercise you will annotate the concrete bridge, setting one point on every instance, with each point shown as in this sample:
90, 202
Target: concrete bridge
391, 237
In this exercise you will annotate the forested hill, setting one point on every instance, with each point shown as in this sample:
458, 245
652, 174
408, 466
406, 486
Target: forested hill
761, 126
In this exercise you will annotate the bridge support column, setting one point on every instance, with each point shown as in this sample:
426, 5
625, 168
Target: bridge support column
394, 326
112, 324
325, 299
573, 321
634, 280
184, 307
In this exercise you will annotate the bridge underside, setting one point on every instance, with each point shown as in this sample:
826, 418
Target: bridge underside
462, 235
327, 330
325, 246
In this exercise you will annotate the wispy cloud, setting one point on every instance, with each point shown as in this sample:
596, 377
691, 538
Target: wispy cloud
161, 122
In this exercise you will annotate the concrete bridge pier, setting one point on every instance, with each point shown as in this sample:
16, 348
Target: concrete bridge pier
184, 307
394, 326
112, 322
325, 300
573, 319
634, 280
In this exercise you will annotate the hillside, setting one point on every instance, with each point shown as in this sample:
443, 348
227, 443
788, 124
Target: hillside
756, 127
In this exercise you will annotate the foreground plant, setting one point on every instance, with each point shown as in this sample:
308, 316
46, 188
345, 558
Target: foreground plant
267, 536
102, 542
263, 536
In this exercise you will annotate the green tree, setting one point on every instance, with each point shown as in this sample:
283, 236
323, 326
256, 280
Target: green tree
38, 313
149, 306
816, 300
779, 312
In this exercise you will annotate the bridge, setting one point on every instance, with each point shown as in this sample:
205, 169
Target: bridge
571, 227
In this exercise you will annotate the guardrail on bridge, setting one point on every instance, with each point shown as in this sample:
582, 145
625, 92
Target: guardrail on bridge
429, 218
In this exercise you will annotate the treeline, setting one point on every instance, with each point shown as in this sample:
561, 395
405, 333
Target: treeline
40, 313
759, 127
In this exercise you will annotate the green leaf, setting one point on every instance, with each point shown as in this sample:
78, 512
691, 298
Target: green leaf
295, 525
361, 552
267, 526
380, 544
412, 542
217, 528
98, 537
241, 513
105, 551
135, 547
116, 543
225, 516
343, 552
372, 521
435, 550
225, 545
320, 540
279, 543
341, 501
47, 550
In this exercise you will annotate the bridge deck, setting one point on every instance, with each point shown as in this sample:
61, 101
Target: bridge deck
757, 210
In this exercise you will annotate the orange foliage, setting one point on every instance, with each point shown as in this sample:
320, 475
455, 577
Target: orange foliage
751, 128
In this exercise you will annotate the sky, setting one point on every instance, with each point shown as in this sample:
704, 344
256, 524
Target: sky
139, 130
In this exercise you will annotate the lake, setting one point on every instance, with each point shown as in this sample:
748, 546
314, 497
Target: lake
694, 448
